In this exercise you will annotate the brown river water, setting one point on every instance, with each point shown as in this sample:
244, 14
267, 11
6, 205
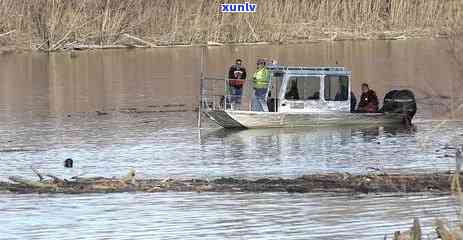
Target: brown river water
48, 107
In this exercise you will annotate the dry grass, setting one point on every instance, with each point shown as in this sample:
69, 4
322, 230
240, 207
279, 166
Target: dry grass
455, 53
54, 24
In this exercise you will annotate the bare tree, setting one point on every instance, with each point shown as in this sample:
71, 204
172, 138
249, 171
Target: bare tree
455, 53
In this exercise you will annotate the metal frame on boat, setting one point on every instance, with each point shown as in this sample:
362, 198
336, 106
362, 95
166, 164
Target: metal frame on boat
323, 97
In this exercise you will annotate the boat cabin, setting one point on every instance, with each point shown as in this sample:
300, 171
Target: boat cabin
308, 89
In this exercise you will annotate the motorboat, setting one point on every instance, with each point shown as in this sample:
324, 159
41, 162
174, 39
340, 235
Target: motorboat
300, 96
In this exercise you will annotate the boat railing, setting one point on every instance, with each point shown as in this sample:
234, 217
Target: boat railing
217, 93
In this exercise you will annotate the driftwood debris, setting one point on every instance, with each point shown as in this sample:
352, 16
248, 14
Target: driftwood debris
150, 44
413, 234
441, 229
455, 185
330, 182
7, 33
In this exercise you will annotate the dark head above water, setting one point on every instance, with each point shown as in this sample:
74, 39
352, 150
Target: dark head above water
68, 163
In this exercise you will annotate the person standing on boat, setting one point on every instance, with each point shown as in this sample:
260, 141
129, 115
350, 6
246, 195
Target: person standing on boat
260, 82
368, 100
236, 78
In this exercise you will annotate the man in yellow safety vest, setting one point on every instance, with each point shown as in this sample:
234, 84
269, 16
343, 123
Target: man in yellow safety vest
260, 81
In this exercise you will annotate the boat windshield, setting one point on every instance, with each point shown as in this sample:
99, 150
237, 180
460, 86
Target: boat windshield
303, 88
277, 80
336, 88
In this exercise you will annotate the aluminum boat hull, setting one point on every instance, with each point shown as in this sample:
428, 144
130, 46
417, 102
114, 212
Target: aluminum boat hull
249, 119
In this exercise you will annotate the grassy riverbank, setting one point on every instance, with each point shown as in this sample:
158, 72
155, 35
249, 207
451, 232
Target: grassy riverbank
58, 24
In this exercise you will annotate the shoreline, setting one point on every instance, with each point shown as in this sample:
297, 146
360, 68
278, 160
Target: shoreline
143, 44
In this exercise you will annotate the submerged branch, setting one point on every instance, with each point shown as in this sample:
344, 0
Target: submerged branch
37, 173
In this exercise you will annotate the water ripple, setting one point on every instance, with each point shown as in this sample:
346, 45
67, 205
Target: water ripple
217, 216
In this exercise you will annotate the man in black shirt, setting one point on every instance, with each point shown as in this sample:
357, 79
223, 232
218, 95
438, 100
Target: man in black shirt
236, 78
237, 71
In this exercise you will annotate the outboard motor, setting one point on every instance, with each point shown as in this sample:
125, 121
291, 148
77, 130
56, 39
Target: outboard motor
400, 101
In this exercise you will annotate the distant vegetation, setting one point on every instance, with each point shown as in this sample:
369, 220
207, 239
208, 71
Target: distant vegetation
57, 24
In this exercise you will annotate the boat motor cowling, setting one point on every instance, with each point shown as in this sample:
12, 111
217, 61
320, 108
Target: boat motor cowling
400, 101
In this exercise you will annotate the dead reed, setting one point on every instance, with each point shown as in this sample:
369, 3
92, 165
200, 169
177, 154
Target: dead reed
57, 24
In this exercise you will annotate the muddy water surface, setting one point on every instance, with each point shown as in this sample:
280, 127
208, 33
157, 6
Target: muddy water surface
48, 107
168, 78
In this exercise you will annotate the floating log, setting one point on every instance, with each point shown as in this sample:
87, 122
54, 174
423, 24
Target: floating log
330, 182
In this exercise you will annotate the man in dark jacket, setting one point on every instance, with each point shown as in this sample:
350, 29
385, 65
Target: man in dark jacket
368, 100
237, 71
236, 78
